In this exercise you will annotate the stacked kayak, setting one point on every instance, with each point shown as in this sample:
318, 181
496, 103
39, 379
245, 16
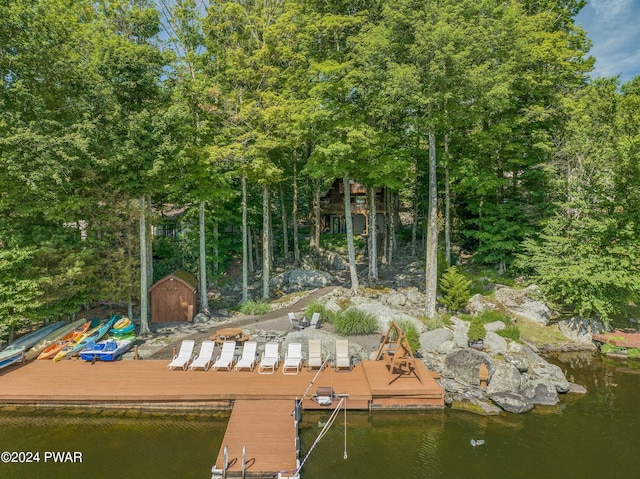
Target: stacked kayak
55, 347
106, 350
51, 338
11, 356
124, 329
15, 351
79, 343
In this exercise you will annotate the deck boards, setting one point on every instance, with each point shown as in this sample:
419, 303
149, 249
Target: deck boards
267, 430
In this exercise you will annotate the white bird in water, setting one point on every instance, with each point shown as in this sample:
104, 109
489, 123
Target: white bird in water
475, 443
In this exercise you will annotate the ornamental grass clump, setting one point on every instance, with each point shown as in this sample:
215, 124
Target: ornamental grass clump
252, 307
317, 307
353, 322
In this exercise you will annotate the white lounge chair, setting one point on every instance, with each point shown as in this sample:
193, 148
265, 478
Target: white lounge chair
249, 356
183, 358
315, 321
227, 356
315, 359
342, 354
292, 359
204, 359
269, 359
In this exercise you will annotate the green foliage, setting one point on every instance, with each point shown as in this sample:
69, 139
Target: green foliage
338, 242
354, 322
411, 332
252, 307
435, 323
317, 307
633, 353
510, 332
476, 329
455, 289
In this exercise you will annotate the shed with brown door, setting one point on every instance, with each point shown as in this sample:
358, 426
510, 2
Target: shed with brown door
173, 298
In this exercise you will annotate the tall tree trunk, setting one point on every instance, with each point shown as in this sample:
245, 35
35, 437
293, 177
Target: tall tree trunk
316, 211
385, 237
285, 229
392, 227
245, 242
216, 252
373, 235
447, 203
432, 234
252, 250
349, 224
416, 211
294, 213
204, 301
144, 270
266, 253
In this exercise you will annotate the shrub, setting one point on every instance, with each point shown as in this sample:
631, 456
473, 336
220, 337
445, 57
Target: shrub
254, 307
317, 307
354, 322
455, 289
476, 329
633, 353
413, 337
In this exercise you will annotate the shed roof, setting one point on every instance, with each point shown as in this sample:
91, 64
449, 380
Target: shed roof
184, 277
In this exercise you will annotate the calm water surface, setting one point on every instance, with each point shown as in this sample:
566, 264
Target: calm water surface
597, 435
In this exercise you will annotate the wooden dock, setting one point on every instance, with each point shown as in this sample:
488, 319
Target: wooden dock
625, 338
261, 404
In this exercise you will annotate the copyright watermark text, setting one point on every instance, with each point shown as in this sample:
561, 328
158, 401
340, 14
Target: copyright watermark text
23, 457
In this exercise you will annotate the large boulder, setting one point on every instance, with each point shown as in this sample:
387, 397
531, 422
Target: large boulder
552, 374
384, 314
512, 402
540, 392
580, 330
464, 366
523, 303
479, 303
431, 340
506, 378
301, 279
333, 261
494, 343
460, 329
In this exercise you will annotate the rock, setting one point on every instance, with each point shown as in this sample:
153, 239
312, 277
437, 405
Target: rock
581, 330
396, 300
431, 340
333, 260
519, 361
541, 392
446, 347
461, 328
279, 281
464, 366
505, 379
384, 314
415, 297
512, 402
479, 303
494, 326
521, 303
553, 374
483, 408
494, 343
576, 388
301, 279
201, 318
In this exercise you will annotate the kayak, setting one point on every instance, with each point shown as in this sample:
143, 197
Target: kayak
48, 340
108, 350
30, 339
54, 348
78, 344
10, 357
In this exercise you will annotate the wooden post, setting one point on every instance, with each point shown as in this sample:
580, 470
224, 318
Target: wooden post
135, 352
484, 376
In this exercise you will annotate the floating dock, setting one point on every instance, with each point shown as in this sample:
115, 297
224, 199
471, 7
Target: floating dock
261, 420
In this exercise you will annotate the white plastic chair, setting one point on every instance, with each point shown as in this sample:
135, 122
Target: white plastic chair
203, 360
315, 359
293, 321
315, 321
269, 359
342, 354
249, 356
227, 356
292, 359
182, 359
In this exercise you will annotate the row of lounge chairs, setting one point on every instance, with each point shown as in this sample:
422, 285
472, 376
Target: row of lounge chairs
268, 362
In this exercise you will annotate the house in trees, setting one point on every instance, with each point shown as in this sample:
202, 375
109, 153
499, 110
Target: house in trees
332, 208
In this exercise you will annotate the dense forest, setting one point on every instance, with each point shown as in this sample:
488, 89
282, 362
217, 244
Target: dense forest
479, 118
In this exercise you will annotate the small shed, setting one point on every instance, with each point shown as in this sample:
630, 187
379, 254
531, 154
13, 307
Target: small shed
173, 298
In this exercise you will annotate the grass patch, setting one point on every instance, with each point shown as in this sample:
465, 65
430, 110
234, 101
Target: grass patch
289, 297
252, 307
317, 307
354, 322
435, 323
539, 334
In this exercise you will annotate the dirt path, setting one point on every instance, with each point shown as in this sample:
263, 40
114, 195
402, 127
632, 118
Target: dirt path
162, 347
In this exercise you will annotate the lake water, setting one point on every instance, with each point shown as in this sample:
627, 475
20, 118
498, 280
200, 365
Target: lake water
596, 435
